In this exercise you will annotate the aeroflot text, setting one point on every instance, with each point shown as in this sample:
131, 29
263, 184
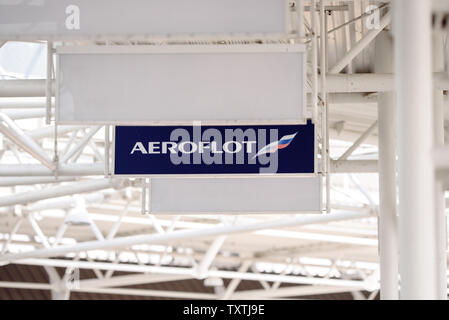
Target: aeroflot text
191, 147
238, 146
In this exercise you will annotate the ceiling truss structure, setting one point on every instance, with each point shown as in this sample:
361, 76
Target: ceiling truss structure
43, 179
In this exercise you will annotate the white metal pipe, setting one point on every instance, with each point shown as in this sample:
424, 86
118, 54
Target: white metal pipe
188, 272
387, 226
46, 132
314, 94
96, 231
344, 134
13, 132
10, 235
59, 191
358, 142
16, 181
183, 234
59, 234
286, 278
39, 103
336, 83
115, 291
209, 256
17, 114
64, 202
23, 88
362, 44
25, 285
325, 158
69, 142
13, 170
18, 103
354, 166
148, 293
293, 291
81, 144
38, 231
352, 98
417, 260
440, 202
132, 279
232, 286
48, 83
359, 82
107, 145
300, 18
115, 227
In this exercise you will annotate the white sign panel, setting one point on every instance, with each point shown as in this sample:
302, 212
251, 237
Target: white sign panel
81, 19
180, 84
236, 195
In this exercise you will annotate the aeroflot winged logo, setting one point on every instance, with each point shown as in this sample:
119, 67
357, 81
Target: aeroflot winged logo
214, 149
275, 146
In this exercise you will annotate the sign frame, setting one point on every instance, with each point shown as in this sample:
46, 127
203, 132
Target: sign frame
69, 35
174, 49
315, 173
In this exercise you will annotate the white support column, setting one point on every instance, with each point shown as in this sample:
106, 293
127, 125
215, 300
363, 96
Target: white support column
440, 202
387, 234
413, 65
314, 94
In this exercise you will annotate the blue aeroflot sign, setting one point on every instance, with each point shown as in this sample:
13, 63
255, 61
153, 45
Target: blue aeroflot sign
260, 149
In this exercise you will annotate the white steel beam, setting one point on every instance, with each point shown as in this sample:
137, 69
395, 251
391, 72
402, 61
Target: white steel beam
294, 291
232, 286
17, 181
129, 280
24, 88
13, 132
354, 166
336, 83
59, 191
116, 291
10, 235
21, 170
181, 235
18, 114
209, 256
97, 168
358, 142
25, 285
357, 284
314, 86
149, 293
22, 102
362, 44
39, 103
81, 144
49, 131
